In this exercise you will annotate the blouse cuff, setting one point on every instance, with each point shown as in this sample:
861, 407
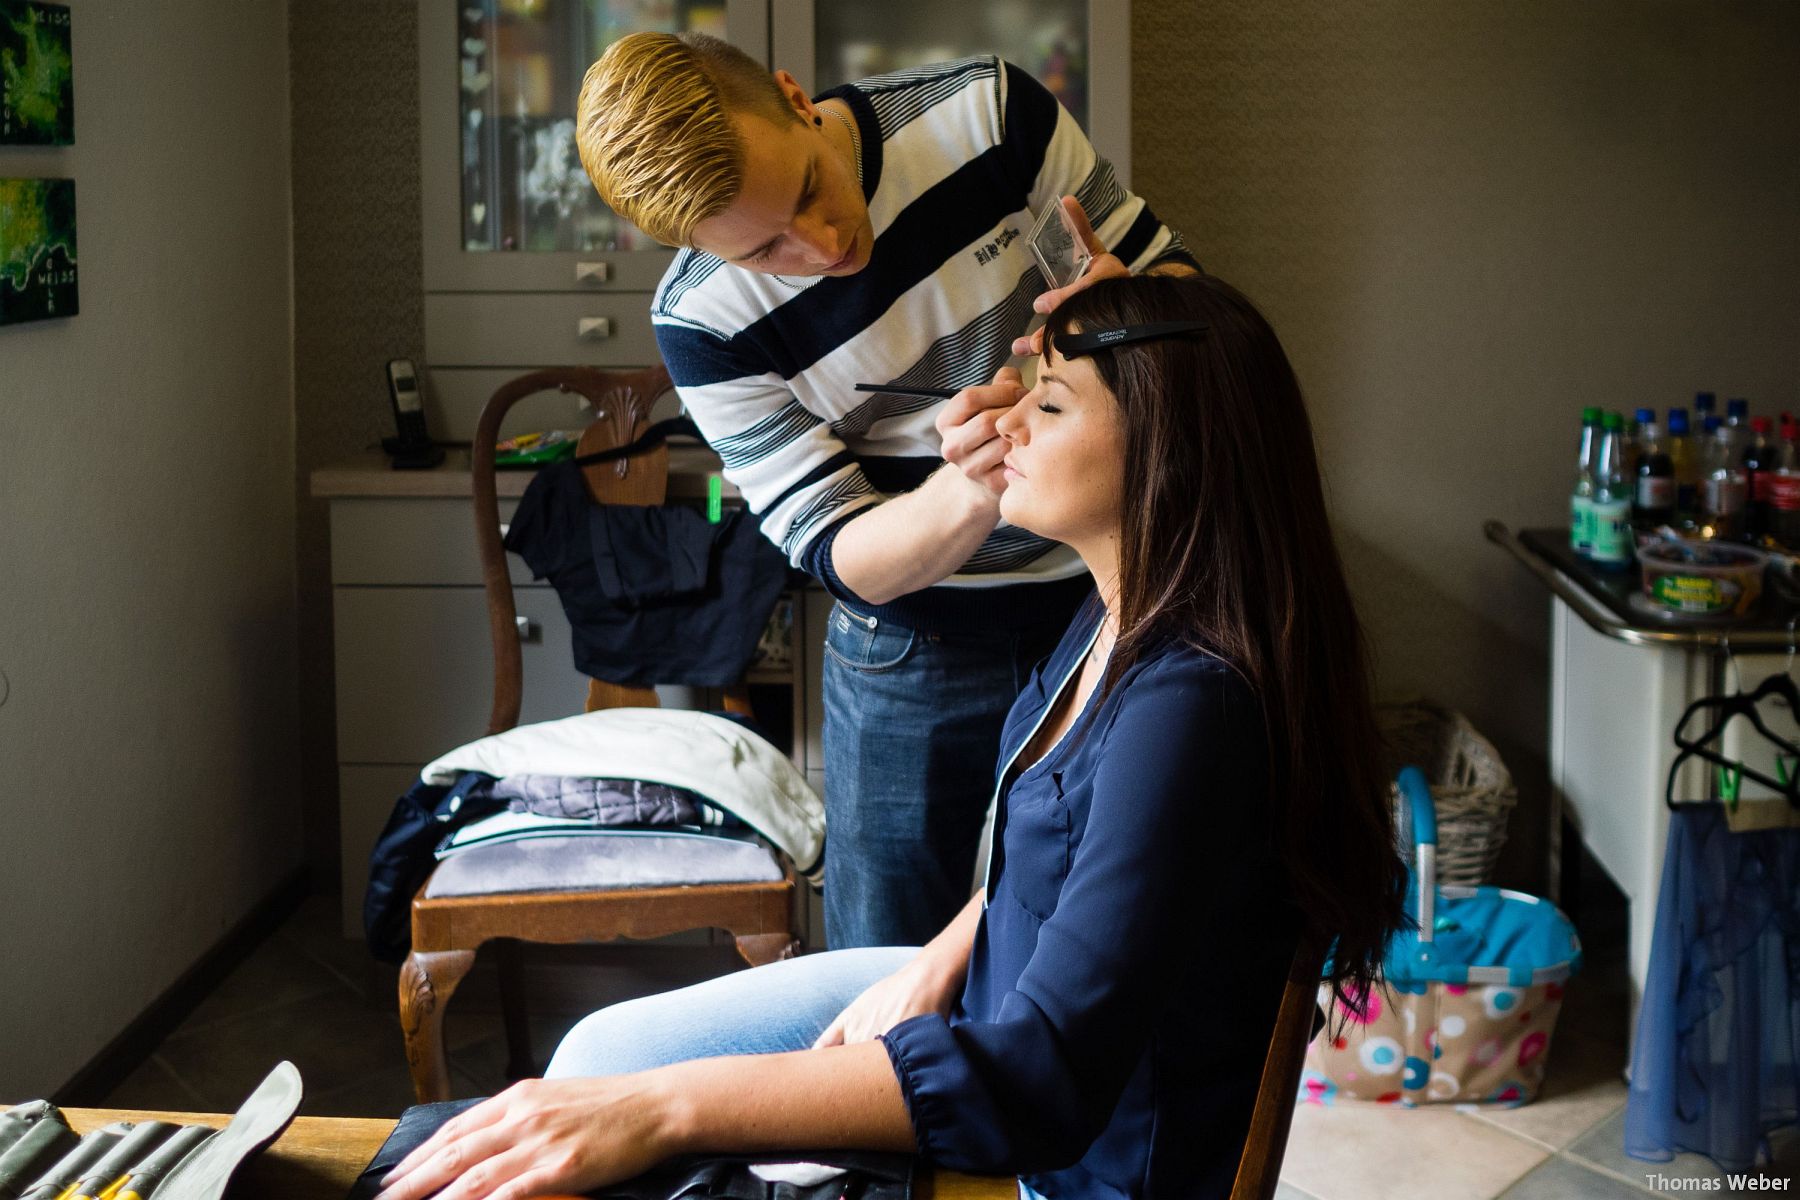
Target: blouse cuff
931, 1070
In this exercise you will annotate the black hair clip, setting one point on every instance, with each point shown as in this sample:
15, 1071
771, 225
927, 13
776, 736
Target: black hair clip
1075, 345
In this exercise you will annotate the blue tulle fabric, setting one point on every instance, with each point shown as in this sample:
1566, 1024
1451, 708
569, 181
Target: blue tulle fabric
1714, 1066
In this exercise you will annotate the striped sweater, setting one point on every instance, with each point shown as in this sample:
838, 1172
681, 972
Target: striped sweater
957, 158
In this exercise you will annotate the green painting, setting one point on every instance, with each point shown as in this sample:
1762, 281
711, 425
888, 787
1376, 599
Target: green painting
37, 250
37, 84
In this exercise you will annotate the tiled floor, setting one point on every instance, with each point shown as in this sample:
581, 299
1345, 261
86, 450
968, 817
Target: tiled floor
312, 997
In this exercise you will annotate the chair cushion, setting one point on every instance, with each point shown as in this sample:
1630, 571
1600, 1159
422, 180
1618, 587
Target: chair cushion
594, 862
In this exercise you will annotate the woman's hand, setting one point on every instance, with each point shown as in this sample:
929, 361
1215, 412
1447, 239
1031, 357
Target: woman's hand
967, 421
923, 985
542, 1136
1103, 265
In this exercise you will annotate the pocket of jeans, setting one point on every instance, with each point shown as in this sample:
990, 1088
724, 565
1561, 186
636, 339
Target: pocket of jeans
866, 643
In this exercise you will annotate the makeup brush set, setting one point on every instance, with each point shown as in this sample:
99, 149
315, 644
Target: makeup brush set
42, 1158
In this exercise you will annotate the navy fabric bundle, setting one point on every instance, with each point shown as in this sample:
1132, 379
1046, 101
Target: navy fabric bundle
654, 594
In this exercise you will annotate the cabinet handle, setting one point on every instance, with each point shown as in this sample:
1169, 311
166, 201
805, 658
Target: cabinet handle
593, 329
593, 272
530, 632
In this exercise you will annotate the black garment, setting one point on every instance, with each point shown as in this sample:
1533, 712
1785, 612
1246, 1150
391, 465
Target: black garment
872, 1175
653, 594
402, 858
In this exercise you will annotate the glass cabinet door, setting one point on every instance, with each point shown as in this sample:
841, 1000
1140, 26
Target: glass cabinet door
507, 205
854, 39
1079, 49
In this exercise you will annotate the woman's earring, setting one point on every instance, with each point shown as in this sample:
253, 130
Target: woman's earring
820, 121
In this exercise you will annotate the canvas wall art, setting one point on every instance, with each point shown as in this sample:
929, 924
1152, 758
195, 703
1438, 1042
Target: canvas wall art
37, 250
37, 81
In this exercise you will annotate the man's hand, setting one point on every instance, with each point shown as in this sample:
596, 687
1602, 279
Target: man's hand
540, 1137
1104, 265
966, 423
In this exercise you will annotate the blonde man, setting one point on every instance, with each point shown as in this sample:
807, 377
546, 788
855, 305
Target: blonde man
876, 234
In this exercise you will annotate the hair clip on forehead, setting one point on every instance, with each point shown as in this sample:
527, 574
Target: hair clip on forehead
1075, 345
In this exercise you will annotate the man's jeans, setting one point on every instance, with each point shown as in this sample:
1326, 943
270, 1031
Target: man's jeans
912, 732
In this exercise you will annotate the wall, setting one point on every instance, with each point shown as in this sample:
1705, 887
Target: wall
1466, 221
147, 791
358, 301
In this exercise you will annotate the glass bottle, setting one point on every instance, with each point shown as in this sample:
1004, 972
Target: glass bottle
1581, 498
1611, 542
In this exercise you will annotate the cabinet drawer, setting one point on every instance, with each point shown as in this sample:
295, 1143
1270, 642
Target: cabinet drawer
412, 541
538, 329
415, 672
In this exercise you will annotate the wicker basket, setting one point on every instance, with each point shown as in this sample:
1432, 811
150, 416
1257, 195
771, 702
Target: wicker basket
1473, 791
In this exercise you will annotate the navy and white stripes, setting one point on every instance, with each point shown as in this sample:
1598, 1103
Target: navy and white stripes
956, 159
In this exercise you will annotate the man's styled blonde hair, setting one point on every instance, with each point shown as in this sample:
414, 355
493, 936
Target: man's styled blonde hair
653, 126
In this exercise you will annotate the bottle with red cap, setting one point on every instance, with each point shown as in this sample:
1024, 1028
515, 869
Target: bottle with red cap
1784, 489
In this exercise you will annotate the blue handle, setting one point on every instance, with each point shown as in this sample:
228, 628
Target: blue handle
1418, 801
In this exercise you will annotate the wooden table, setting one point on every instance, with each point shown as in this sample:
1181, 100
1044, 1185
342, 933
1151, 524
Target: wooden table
318, 1158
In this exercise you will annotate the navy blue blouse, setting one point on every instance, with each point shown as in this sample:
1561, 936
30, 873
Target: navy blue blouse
1132, 952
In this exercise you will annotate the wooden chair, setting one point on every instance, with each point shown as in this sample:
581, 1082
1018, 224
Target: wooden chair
446, 931
1259, 1170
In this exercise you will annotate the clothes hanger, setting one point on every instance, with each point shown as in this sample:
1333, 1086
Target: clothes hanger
1744, 704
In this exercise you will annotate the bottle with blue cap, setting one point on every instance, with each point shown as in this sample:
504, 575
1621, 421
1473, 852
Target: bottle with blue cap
1686, 465
1706, 404
1725, 487
1653, 502
1737, 420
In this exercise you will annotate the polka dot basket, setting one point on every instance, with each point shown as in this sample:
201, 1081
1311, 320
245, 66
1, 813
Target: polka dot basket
1470, 1000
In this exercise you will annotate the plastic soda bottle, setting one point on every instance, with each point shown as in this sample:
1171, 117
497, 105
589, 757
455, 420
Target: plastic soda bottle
1784, 491
1611, 545
1687, 470
1725, 491
1737, 415
1581, 500
1706, 404
1654, 501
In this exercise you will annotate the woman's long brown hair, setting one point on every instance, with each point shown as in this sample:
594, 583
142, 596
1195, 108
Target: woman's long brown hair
1225, 545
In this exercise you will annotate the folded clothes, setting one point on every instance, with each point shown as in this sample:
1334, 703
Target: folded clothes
602, 801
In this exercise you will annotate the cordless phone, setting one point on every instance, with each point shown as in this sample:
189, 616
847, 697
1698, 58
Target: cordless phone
411, 447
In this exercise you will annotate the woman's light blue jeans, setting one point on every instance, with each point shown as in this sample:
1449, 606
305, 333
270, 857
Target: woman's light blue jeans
765, 1010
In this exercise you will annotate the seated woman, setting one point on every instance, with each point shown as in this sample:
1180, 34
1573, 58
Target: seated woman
1187, 785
